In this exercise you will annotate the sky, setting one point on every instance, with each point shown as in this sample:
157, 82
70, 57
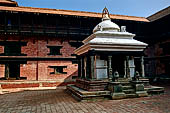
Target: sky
141, 8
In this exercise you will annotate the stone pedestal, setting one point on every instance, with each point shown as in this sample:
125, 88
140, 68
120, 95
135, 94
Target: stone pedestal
139, 88
116, 90
92, 85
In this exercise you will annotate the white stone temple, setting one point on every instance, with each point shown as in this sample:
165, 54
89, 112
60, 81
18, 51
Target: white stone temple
109, 49
111, 64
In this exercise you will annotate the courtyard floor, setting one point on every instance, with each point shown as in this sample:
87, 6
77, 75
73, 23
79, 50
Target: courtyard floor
55, 100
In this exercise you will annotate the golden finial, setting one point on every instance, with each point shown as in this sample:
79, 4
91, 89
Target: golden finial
105, 14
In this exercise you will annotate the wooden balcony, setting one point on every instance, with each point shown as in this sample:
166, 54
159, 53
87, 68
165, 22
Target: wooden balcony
27, 29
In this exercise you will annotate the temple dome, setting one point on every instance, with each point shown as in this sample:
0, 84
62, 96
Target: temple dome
106, 24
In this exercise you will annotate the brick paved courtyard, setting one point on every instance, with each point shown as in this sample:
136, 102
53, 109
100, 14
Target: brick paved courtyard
57, 101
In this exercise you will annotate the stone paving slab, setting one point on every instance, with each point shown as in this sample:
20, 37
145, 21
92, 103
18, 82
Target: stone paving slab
55, 100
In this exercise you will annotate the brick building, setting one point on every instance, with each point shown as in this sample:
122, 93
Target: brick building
158, 37
38, 43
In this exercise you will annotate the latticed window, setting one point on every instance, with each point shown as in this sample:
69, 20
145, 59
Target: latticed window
54, 50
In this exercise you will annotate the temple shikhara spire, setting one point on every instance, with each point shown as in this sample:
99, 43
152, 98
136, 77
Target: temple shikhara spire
105, 14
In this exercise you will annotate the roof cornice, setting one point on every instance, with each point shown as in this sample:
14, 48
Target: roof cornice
71, 12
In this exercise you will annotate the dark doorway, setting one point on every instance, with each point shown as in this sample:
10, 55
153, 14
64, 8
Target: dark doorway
118, 65
14, 70
167, 70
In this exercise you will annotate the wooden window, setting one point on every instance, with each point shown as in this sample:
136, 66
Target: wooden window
58, 69
54, 50
165, 47
12, 50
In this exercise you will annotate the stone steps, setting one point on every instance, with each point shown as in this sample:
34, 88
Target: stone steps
80, 94
154, 90
133, 95
129, 91
127, 87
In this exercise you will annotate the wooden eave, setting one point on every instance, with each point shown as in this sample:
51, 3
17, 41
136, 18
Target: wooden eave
70, 12
108, 47
159, 14
8, 2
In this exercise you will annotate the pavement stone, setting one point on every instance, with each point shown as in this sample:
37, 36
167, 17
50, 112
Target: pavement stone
56, 100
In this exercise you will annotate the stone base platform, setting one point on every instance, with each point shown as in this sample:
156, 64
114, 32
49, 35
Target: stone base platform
154, 90
92, 85
100, 89
9, 84
83, 95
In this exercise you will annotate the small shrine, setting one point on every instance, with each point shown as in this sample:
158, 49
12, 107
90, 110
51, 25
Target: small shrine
106, 62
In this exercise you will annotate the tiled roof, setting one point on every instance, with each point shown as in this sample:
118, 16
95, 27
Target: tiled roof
10, 2
159, 14
70, 12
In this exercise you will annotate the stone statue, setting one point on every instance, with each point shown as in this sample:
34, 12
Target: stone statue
137, 75
116, 76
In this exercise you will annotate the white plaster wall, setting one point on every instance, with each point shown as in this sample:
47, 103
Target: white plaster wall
101, 68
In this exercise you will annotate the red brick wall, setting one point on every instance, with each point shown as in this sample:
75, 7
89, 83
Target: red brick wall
43, 69
29, 70
39, 47
31, 48
2, 70
1, 49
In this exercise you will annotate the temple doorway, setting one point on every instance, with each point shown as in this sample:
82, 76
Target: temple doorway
118, 65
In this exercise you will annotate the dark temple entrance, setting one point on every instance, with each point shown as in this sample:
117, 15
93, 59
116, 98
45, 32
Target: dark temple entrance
118, 65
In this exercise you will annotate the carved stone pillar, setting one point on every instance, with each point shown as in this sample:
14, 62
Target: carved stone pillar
85, 67
142, 67
82, 68
79, 67
132, 66
6, 71
110, 67
125, 73
92, 67
127, 67
95, 71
